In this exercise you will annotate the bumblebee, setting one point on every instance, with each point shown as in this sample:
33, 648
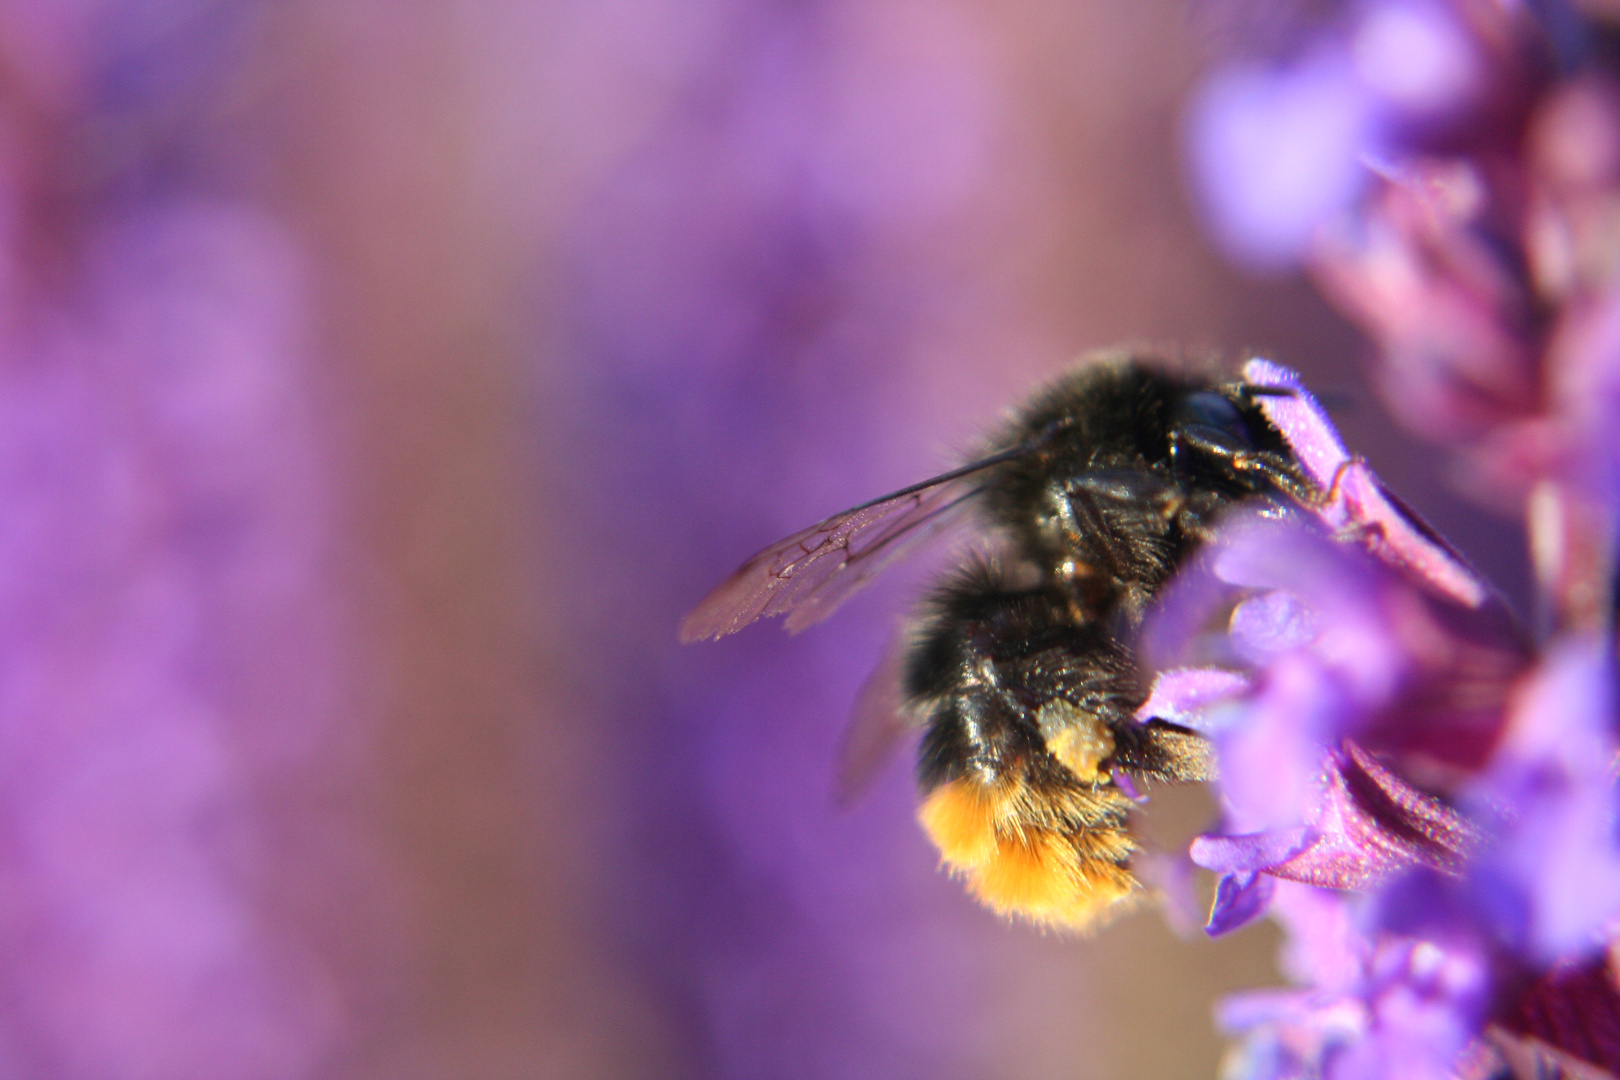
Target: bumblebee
1020, 668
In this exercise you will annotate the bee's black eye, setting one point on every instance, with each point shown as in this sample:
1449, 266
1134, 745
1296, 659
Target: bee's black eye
1209, 409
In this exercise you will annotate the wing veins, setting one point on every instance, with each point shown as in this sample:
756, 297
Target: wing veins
794, 574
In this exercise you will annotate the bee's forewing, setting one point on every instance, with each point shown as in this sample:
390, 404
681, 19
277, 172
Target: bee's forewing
807, 575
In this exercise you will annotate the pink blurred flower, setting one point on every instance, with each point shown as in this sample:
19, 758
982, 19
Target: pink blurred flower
1450, 174
1279, 150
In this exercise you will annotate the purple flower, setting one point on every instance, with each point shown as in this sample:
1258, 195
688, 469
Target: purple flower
1419, 273
1451, 175
1552, 871
1404, 1006
1349, 634
1428, 807
1472, 238
1280, 150
1277, 152
1425, 801
1344, 662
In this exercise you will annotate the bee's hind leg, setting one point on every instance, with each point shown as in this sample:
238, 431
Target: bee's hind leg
1164, 751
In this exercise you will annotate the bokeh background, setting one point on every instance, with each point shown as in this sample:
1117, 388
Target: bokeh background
379, 383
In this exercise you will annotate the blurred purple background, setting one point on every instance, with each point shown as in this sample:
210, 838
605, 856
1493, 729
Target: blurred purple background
383, 380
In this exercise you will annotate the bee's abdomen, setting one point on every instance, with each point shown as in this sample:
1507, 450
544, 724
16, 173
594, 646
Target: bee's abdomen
1052, 871
1022, 698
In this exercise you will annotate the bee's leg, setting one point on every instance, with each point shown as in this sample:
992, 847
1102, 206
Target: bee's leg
1125, 509
1078, 738
1164, 751
1273, 468
1009, 681
1091, 531
1015, 763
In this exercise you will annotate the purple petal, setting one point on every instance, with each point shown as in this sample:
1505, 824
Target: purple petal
1262, 1056
1368, 827
1290, 1033
1251, 852
1240, 1012
1356, 498
1393, 531
1269, 624
1426, 1003
1258, 551
1416, 57
1350, 597
1326, 946
1276, 152
1553, 778
1371, 825
1174, 879
1271, 759
1378, 1004
1184, 696
1240, 898
1301, 419
1186, 627
1444, 307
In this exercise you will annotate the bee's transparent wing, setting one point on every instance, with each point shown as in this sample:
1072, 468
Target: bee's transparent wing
807, 575
877, 724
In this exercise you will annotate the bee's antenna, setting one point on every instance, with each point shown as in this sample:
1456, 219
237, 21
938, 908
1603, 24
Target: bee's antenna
1340, 401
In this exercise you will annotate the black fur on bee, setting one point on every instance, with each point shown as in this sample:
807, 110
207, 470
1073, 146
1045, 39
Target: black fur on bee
1129, 466
989, 660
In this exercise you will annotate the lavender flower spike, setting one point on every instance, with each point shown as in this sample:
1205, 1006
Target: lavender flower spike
1427, 799
1350, 635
